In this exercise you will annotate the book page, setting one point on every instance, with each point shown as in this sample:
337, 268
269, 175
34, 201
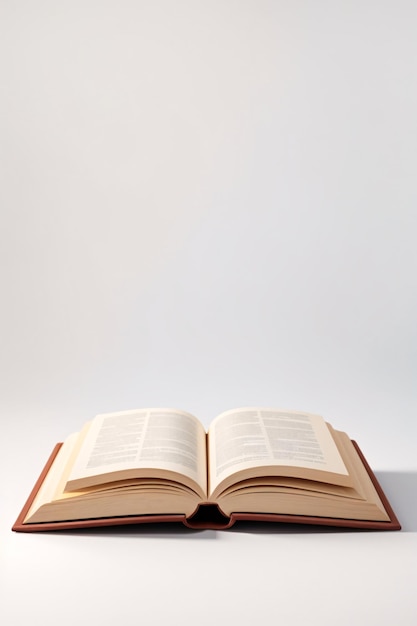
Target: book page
147, 439
248, 438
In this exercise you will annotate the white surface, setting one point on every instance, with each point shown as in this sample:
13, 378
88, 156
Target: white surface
208, 205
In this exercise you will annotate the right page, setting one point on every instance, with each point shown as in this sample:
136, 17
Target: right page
249, 442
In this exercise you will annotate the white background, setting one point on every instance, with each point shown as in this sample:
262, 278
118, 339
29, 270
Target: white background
208, 205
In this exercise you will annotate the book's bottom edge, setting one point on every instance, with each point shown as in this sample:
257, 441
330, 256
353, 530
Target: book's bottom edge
207, 518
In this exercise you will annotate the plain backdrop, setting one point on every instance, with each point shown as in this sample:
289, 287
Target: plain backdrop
206, 205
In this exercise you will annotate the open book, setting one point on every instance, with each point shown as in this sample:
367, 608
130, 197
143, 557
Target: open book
157, 464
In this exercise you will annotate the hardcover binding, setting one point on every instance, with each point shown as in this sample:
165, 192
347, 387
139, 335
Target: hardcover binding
207, 515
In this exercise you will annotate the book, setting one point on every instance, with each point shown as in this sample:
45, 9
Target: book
160, 465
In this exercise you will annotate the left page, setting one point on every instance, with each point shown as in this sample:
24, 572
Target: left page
155, 442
